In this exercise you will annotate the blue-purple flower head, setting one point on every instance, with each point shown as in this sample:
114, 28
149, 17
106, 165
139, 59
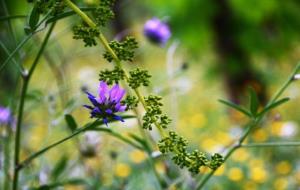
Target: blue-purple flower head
5, 116
108, 102
157, 31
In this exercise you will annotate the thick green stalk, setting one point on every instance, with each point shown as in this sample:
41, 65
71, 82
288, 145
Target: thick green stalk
251, 125
26, 79
105, 43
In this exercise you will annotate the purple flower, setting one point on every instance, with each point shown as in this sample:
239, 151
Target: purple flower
108, 103
5, 116
157, 31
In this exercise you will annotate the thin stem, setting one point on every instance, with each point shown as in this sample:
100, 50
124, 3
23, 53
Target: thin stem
105, 43
19, 66
20, 45
251, 125
270, 144
285, 85
79, 131
26, 79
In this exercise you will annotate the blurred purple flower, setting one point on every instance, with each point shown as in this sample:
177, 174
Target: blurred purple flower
5, 116
157, 31
108, 102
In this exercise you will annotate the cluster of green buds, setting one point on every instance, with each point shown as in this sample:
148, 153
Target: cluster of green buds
112, 76
104, 13
171, 142
131, 102
192, 160
124, 49
86, 33
139, 77
154, 114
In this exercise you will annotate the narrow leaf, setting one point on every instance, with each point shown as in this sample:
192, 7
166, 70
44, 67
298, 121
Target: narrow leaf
236, 107
254, 103
274, 105
34, 18
71, 122
59, 168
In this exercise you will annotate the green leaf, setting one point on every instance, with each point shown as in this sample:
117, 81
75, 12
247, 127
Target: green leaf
236, 107
34, 18
254, 103
274, 105
71, 122
59, 168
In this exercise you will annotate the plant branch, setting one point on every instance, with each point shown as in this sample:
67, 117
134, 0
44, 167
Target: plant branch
88, 127
252, 124
26, 79
105, 43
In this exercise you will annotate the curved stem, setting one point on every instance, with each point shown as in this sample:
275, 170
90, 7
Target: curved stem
251, 125
26, 79
79, 131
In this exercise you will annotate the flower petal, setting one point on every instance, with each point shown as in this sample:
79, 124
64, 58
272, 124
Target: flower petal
92, 98
116, 93
105, 121
119, 118
103, 92
88, 107
120, 108
108, 111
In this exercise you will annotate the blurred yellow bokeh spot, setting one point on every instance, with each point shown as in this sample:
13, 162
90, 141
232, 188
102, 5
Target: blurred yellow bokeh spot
198, 120
250, 185
235, 174
283, 167
240, 155
122, 170
137, 156
220, 171
280, 184
258, 174
260, 135
160, 167
276, 128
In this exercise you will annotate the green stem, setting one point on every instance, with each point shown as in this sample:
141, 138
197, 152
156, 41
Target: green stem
79, 131
26, 79
285, 85
105, 43
270, 144
19, 66
20, 45
251, 125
